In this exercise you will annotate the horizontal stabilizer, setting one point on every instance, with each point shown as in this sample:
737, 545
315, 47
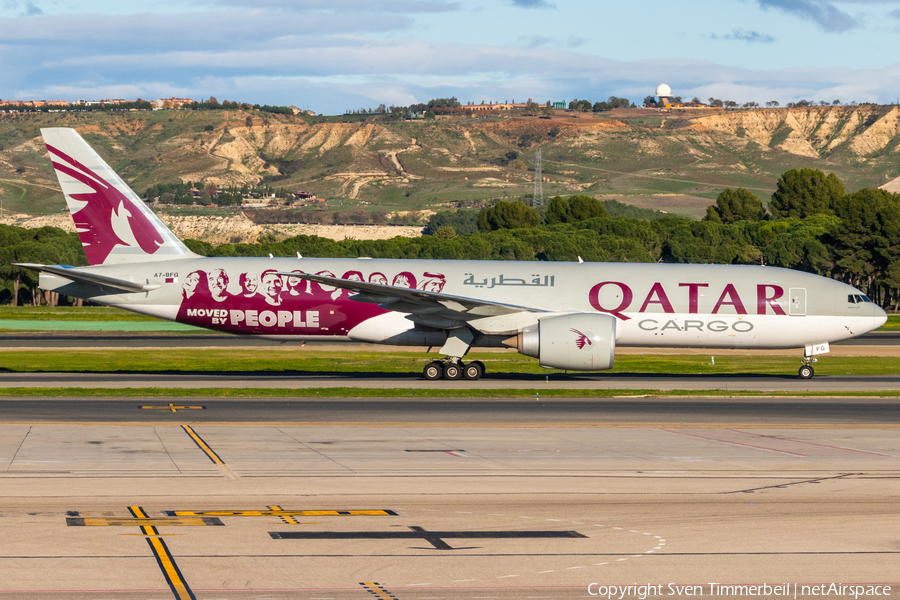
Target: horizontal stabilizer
82, 276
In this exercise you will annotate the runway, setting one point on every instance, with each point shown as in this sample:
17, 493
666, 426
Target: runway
491, 381
455, 499
458, 412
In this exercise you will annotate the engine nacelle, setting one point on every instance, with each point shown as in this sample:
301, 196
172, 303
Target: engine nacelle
578, 342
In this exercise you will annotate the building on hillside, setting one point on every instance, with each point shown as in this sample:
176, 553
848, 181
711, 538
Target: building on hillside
305, 197
479, 109
170, 103
34, 103
559, 105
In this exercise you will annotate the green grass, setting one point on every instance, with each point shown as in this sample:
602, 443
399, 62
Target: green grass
69, 313
311, 361
346, 392
893, 324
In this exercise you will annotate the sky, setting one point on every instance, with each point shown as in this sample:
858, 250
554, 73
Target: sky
337, 55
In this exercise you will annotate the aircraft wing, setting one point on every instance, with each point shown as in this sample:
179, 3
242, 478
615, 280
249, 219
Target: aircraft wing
82, 276
428, 308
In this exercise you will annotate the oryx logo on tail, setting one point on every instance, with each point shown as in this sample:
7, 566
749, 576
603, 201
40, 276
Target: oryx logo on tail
108, 215
113, 223
581, 339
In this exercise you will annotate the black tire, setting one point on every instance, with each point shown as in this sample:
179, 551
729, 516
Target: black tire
474, 370
806, 372
453, 371
433, 371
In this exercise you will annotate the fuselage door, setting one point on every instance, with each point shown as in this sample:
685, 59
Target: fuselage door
798, 302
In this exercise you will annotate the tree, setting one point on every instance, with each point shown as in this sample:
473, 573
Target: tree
649, 101
614, 102
451, 102
532, 106
805, 192
735, 205
866, 241
508, 215
582, 208
574, 210
445, 233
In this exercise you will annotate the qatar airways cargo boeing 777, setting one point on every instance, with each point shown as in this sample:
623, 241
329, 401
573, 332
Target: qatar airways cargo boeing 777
568, 315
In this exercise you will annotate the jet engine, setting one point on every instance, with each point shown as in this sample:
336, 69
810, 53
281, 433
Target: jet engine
578, 342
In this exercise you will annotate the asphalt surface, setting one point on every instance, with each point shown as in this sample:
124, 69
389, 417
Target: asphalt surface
213, 340
456, 411
491, 381
450, 499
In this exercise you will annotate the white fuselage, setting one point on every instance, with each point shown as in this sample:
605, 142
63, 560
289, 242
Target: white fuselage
715, 306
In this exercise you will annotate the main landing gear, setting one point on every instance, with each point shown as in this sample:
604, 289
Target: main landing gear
806, 371
453, 369
459, 340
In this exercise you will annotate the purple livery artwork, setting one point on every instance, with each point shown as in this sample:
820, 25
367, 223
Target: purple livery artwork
272, 304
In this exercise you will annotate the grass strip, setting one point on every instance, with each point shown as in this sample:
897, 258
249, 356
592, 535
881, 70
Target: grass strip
350, 392
71, 313
296, 361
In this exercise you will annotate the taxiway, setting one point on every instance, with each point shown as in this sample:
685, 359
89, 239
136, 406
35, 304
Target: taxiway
442, 499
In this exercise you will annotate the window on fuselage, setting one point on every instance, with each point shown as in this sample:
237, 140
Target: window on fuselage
857, 299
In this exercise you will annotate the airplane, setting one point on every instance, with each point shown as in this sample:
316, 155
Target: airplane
568, 315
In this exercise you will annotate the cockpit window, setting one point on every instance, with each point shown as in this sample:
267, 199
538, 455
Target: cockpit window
857, 299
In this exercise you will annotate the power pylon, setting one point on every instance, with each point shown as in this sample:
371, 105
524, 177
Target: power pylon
538, 181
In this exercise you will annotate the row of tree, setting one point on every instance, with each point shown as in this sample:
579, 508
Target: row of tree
718, 103
209, 193
136, 105
586, 105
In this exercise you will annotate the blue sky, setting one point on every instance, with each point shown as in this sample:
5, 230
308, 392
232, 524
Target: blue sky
333, 55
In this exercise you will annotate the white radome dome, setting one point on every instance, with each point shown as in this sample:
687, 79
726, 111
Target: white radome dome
663, 90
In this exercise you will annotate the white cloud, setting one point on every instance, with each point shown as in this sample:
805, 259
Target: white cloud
533, 4
742, 35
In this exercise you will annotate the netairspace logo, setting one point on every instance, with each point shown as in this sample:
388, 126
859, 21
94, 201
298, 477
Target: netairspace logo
782, 590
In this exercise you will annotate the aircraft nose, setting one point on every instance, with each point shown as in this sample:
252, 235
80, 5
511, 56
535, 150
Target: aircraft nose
879, 314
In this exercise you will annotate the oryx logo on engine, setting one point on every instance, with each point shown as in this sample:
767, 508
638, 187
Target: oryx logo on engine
582, 339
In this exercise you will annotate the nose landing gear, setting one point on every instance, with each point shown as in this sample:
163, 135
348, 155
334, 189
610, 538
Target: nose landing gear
806, 370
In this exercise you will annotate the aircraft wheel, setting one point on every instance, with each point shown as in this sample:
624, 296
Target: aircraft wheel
474, 370
453, 371
433, 371
806, 372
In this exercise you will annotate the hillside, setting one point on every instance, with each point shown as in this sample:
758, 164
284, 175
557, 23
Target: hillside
675, 161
